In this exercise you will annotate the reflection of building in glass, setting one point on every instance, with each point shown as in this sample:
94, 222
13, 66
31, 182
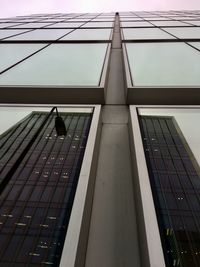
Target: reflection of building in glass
37, 200
175, 187
114, 60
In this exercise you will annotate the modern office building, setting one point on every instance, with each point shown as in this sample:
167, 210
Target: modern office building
119, 186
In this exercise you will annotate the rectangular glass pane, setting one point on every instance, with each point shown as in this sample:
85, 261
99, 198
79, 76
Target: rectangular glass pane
60, 64
135, 24
149, 33
164, 64
35, 215
185, 32
78, 20
65, 25
8, 33
175, 187
42, 34
131, 19
169, 23
102, 19
32, 25
5, 25
193, 22
195, 44
12, 53
98, 24
88, 34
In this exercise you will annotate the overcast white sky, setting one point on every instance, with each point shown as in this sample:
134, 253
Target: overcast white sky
26, 7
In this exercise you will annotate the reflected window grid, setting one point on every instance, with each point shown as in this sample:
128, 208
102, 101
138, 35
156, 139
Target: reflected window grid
36, 203
175, 186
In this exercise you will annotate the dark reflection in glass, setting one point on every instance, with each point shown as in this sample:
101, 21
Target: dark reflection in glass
175, 185
36, 203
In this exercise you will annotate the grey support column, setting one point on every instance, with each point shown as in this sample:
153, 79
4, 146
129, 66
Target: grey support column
113, 240
116, 90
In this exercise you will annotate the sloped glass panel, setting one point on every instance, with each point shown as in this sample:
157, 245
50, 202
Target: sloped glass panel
12, 53
164, 64
42, 34
185, 32
60, 64
88, 34
149, 33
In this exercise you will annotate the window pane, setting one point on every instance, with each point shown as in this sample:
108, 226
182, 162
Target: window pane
155, 18
169, 23
195, 44
60, 64
32, 25
193, 22
12, 53
41, 35
102, 19
136, 24
89, 34
65, 25
150, 33
131, 19
164, 64
176, 207
8, 33
3, 25
35, 216
98, 24
185, 32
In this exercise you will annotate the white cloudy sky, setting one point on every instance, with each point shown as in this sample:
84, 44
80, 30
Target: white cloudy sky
25, 7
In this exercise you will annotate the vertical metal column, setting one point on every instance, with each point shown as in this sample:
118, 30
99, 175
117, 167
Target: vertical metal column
113, 232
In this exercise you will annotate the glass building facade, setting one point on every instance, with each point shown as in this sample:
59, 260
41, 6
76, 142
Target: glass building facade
121, 188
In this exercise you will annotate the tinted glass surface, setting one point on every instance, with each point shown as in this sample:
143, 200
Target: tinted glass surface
88, 34
36, 201
145, 33
12, 53
164, 64
60, 64
175, 184
42, 34
185, 32
8, 33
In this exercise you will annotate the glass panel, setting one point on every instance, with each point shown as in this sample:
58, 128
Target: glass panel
185, 32
194, 22
51, 20
32, 25
41, 35
65, 25
149, 33
156, 18
98, 24
60, 64
12, 53
103, 19
5, 25
7, 33
176, 195
195, 44
164, 64
181, 18
169, 23
131, 19
136, 24
78, 20
89, 34
35, 213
